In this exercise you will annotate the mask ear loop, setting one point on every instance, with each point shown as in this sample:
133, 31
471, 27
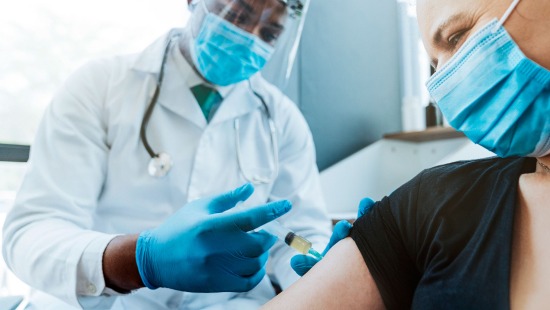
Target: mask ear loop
506, 15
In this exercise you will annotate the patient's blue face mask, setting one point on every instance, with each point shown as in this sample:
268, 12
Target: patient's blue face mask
493, 93
225, 54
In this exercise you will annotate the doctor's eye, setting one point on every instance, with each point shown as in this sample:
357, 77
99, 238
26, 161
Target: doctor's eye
269, 36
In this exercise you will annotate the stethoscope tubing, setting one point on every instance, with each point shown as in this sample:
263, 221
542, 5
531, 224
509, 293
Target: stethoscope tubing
163, 161
153, 103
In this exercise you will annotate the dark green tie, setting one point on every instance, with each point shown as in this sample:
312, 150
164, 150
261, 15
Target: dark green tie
208, 98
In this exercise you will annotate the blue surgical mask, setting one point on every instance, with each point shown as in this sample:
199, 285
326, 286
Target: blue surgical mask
493, 93
225, 54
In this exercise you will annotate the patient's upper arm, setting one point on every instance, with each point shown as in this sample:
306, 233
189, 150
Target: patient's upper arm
340, 281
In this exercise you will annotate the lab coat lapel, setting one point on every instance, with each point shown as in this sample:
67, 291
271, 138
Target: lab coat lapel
175, 94
239, 101
150, 59
177, 97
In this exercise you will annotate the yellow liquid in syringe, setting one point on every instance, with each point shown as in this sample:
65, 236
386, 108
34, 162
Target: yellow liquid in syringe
301, 245
298, 243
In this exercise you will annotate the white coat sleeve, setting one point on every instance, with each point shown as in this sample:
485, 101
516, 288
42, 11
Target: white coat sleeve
48, 241
298, 181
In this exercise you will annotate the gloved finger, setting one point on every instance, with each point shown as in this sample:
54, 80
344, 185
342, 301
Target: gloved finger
246, 266
229, 199
302, 263
255, 244
245, 284
341, 230
252, 218
364, 206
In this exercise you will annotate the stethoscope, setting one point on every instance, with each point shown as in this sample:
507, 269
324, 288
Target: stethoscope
161, 163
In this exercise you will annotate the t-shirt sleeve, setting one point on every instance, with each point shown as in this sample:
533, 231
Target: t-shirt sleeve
385, 238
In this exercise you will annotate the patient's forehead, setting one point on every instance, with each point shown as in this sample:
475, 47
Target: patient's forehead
434, 8
433, 13
440, 20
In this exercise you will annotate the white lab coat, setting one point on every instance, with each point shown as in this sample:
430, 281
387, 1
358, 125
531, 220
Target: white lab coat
87, 178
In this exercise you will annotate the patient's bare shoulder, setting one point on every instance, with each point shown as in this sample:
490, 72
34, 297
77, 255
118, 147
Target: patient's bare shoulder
340, 281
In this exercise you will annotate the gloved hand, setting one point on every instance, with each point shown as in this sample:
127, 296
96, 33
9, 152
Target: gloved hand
206, 247
303, 263
364, 206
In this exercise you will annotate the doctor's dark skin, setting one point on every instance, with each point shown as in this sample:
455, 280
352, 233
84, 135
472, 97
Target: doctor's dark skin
119, 264
263, 18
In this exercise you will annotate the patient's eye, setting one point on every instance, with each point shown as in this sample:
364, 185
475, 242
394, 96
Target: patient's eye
456, 38
449, 37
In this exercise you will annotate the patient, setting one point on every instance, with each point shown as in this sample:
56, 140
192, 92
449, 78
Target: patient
468, 235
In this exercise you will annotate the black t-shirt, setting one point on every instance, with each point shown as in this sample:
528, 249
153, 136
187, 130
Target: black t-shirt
443, 240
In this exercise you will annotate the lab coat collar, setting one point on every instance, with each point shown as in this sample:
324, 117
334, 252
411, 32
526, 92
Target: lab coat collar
176, 95
150, 59
240, 101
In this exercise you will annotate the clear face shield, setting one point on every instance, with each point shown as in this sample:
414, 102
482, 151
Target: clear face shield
235, 39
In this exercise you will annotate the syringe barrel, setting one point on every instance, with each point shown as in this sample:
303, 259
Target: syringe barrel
276, 229
287, 236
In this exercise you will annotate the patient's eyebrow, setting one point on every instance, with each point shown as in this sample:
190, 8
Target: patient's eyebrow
437, 37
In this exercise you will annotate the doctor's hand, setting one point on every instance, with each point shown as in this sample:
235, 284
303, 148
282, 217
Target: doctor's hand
303, 263
206, 247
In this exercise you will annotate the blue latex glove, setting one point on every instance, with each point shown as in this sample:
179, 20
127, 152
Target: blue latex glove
364, 205
206, 247
303, 263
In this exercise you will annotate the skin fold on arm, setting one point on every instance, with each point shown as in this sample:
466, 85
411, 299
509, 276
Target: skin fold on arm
340, 281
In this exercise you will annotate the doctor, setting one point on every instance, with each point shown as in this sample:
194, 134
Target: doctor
122, 193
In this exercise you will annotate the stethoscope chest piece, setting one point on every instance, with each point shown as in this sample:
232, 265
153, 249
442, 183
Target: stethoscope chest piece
160, 165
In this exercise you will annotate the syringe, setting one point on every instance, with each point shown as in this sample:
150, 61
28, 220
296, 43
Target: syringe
293, 240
